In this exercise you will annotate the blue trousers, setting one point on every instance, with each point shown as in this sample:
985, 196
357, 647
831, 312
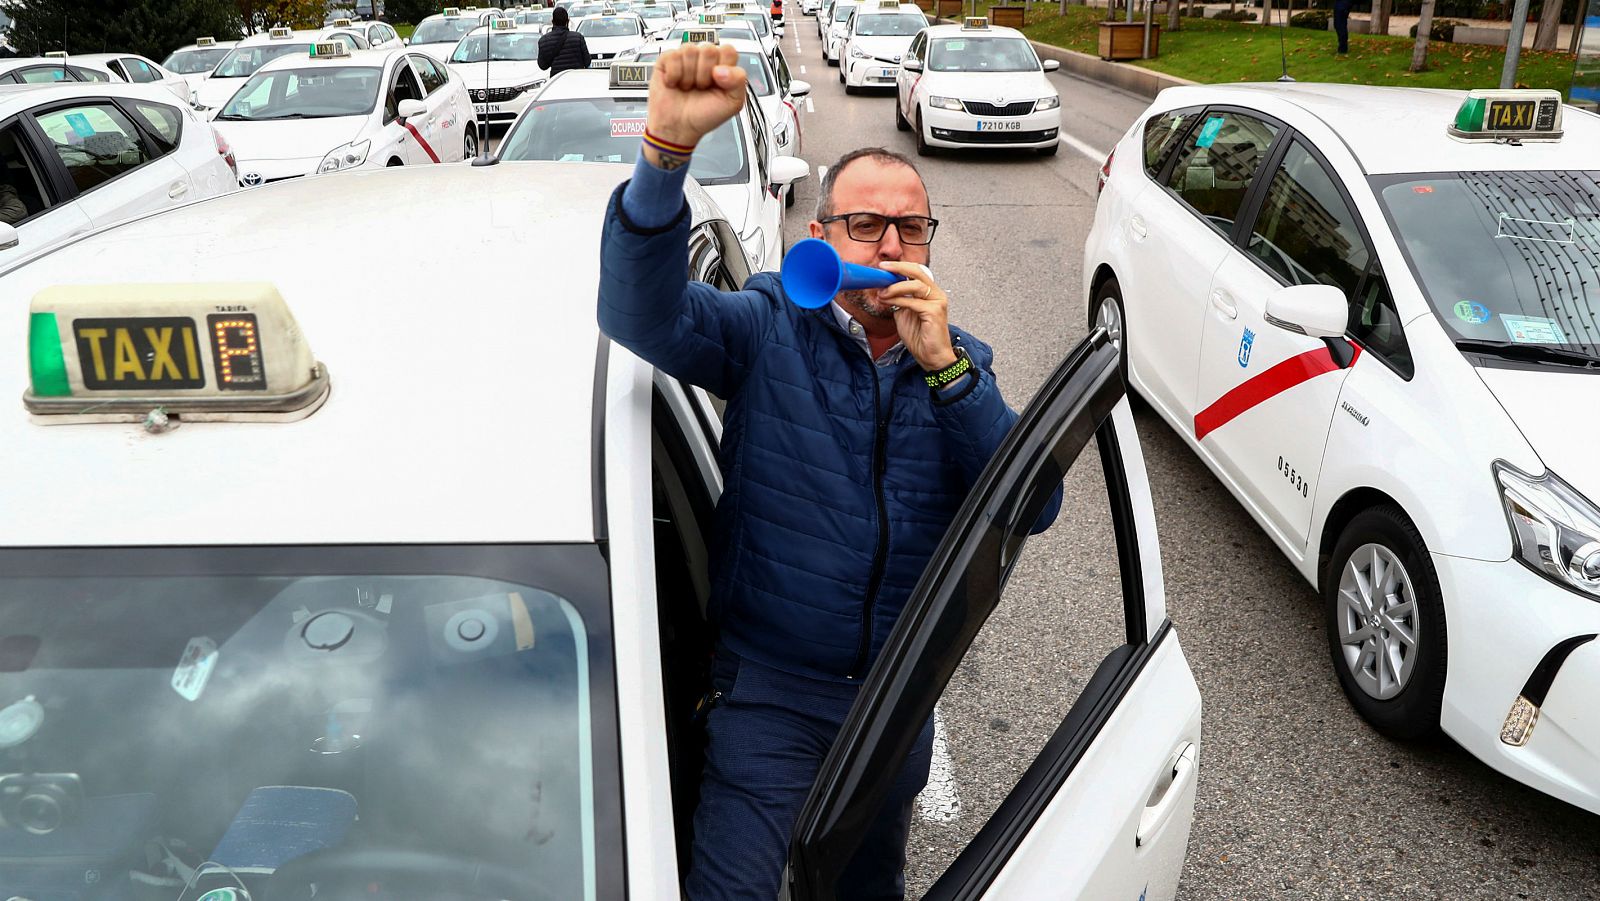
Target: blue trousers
767, 735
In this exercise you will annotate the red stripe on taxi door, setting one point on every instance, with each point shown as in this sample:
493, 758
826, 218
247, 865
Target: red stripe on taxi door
422, 143
1265, 386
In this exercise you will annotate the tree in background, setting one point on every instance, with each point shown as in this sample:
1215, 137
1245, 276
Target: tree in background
1549, 25
153, 28
1380, 16
1419, 51
263, 14
412, 11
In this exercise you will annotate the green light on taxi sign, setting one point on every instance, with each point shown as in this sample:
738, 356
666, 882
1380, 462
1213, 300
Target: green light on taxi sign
46, 362
1469, 117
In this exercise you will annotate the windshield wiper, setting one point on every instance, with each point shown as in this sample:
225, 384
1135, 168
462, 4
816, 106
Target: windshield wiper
1538, 353
229, 119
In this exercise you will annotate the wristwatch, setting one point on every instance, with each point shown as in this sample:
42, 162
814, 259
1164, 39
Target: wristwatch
945, 376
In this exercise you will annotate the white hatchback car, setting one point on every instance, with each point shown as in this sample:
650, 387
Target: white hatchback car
195, 61
610, 35
136, 69
337, 110
79, 156
249, 55
973, 85
875, 41
52, 70
437, 34
454, 651
500, 67
1370, 312
597, 116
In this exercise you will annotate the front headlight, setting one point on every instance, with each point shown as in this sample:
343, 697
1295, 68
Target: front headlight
857, 52
945, 103
1044, 103
1555, 530
346, 157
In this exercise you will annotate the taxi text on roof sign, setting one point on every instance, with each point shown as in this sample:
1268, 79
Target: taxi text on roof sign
450, 12
341, 23
1508, 115
205, 42
502, 24
975, 22
713, 19
699, 36
631, 75
330, 49
279, 33
56, 54
204, 351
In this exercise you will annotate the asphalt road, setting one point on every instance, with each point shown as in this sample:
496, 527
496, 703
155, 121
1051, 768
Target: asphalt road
1298, 798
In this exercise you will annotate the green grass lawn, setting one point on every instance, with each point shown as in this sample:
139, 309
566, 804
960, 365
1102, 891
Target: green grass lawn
405, 30
1211, 51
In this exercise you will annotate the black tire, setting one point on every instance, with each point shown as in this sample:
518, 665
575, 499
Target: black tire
1413, 713
395, 161
788, 198
469, 144
923, 147
1111, 292
900, 122
1049, 151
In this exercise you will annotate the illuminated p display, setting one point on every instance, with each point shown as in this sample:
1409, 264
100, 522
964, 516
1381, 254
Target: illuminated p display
236, 350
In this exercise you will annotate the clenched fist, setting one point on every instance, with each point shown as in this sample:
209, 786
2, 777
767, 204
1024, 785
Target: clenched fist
695, 89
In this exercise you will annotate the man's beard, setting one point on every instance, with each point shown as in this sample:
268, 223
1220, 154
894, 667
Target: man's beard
862, 300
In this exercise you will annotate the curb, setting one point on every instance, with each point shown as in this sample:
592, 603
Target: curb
1133, 79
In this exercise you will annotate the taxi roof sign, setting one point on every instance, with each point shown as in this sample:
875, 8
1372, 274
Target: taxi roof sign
207, 41
1512, 116
631, 74
450, 12
279, 32
341, 23
206, 351
888, 4
330, 50
699, 35
713, 19
56, 54
500, 23
975, 22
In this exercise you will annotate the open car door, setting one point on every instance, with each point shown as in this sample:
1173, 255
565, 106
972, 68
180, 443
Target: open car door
1104, 810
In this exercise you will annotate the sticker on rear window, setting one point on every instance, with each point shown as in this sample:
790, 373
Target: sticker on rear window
1533, 330
955, 45
1208, 132
80, 124
194, 668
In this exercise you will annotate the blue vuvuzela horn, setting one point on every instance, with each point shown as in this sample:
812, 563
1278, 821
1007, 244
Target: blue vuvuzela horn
813, 273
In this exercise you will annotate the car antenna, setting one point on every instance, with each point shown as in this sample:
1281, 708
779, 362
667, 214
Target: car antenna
1283, 51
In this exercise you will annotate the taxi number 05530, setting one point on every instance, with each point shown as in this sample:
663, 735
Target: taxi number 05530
999, 125
1296, 480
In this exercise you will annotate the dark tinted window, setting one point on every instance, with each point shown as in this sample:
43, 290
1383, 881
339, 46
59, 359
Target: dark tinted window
1376, 324
164, 120
22, 187
1161, 135
95, 141
1219, 157
1305, 232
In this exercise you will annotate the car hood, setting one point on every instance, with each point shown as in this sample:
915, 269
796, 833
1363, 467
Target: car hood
288, 140
214, 92
1540, 404
989, 86
499, 74
887, 47
614, 45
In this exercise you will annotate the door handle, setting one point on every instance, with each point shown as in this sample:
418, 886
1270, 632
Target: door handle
1160, 808
177, 190
1224, 304
1137, 226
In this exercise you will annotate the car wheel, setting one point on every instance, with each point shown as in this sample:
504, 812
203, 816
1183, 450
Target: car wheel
923, 148
900, 122
1386, 624
394, 161
1108, 311
1049, 151
469, 145
788, 198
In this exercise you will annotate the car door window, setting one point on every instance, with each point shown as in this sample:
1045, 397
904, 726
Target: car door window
1161, 137
1375, 323
433, 78
782, 66
89, 74
1305, 233
138, 71
165, 121
44, 74
95, 141
116, 67
24, 189
403, 86
1214, 169
759, 136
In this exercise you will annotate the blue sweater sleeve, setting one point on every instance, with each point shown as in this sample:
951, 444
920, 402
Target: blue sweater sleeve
647, 303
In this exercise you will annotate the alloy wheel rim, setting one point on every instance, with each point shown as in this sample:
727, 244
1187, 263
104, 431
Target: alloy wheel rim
1379, 625
1110, 319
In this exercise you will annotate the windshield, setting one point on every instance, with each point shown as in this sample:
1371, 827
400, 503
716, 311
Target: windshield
244, 61
193, 62
655, 12
1504, 256
608, 131
519, 47
535, 17
893, 25
975, 54
444, 31
319, 92
609, 27
757, 22
426, 720
738, 30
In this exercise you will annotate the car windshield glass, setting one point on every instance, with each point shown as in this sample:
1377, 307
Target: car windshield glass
982, 54
757, 22
317, 92
587, 9
417, 718
609, 27
882, 25
193, 62
1504, 256
603, 130
242, 62
735, 30
508, 47
655, 12
441, 31
536, 17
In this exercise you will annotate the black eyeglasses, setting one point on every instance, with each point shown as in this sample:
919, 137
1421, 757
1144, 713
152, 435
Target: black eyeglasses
870, 227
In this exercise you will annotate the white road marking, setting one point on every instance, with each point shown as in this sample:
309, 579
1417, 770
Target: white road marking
822, 172
810, 107
1093, 153
802, 70
938, 802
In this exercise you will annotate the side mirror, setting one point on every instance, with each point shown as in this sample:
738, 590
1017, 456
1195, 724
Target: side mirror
1317, 311
1051, 65
411, 108
8, 236
911, 64
787, 170
799, 88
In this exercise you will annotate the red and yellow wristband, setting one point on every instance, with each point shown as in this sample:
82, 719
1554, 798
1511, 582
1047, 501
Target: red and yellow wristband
667, 147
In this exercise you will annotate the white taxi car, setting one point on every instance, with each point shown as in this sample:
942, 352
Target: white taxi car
135, 69
1367, 310
597, 116
499, 64
875, 41
51, 69
77, 156
723, 29
438, 34
776, 91
436, 650
609, 35
658, 18
831, 28
332, 110
377, 35
249, 55
534, 17
758, 20
974, 85
195, 61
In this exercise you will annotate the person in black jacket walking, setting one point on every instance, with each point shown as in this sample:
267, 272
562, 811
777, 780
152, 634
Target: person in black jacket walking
561, 48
